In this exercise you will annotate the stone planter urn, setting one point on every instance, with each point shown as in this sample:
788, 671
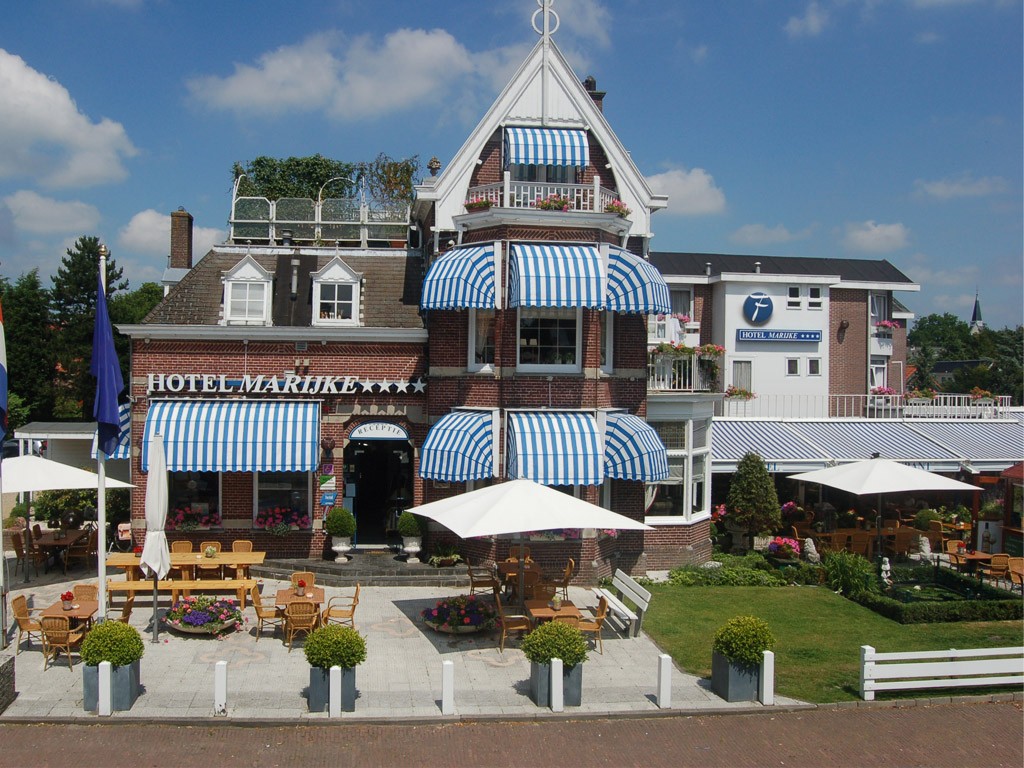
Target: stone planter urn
341, 546
124, 687
412, 545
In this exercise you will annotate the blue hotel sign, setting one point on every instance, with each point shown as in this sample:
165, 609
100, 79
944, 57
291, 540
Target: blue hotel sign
763, 334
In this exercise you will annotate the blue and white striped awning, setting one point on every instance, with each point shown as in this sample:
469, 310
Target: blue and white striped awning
545, 146
124, 438
554, 448
633, 450
235, 435
556, 276
854, 440
986, 443
635, 285
779, 444
459, 447
461, 279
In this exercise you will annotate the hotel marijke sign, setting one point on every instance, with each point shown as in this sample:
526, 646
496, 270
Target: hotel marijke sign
261, 384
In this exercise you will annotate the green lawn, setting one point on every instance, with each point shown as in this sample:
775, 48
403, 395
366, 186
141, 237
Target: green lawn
818, 634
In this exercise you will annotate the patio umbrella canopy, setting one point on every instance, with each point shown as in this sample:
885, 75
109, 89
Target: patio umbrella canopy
24, 474
156, 559
875, 476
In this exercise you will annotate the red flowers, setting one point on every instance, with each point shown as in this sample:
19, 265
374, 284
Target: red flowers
301, 584
137, 550
67, 597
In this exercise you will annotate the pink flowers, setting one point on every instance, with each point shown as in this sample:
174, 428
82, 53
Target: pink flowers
887, 324
617, 207
883, 391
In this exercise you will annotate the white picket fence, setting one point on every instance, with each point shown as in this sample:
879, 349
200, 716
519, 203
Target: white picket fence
969, 668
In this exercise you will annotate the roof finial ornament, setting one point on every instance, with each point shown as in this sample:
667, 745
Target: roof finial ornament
549, 14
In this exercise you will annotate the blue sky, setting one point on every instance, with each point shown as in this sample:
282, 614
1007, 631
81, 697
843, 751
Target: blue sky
833, 128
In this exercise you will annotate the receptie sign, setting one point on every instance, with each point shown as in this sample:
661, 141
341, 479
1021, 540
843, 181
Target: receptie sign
764, 334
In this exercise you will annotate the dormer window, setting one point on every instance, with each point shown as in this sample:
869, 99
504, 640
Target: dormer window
336, 295
247, 294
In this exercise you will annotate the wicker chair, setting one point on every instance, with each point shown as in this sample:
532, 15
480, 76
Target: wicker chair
299, 616
482, 579
996, 568
509, 622
265, 614
307, 576
86, 592
594, 626
27, 623
126, 609
208, 571
83, 550
341, 609
181, 547
59, 637
241, 545
1016, 573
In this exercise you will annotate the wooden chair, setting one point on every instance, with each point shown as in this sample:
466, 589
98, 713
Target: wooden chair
20, 561
951, 547
563, 583
341, 609
572, 621
900, 545
996, 568
838, 542
517, 552
126, 609
509, 622
208, 571
37, 531
241, 545
1016, 573
482, 579
86, 592
265, 614
28, 624
860, 543
81, 551
181, 547
593, 626
307, 576
542, 591
57, 637
299, 616
530, 579
26, 553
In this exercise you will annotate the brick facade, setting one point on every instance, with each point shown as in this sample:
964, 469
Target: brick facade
848, 361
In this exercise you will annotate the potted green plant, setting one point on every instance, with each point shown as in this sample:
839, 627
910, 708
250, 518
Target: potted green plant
411, 531
737, 651
121, 645
555, 640
329, 646
445, 556
753, 504
340, 525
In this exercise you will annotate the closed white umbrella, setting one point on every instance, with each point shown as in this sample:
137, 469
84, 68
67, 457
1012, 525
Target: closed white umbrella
156, 558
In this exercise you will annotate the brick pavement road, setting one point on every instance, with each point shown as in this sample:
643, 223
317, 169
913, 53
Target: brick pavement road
954, 735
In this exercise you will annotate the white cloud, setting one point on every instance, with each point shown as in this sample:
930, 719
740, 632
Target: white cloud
43, 215
44, 136
926, 273
927, 38
365, 78
871, 237
585, 19
149, 233
962, 186
811, 24
759, 234
690, 193
940, 3
698, 54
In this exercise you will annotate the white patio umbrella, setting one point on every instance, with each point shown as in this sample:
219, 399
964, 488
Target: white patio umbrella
156, 559
24, 474
517, 506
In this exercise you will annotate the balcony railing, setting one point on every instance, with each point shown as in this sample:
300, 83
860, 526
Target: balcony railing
526, 194
352, 221
694, 373
942, 406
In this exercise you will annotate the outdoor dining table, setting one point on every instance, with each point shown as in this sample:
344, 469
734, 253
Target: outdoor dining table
544, 610
80, 611
287, 595
130, 561
58, 541
973, 558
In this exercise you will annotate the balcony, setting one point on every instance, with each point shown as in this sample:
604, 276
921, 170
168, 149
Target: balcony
942, 406
353, 222
692, 373
525, 194
880, 343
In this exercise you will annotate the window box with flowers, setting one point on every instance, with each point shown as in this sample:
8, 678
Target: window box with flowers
979, 394
197, 517
553, 202
478, 204
280, 521
921, 394
619, 208
555, 534
732, 392
884, 391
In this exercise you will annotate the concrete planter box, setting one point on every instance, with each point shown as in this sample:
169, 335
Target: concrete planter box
732, 681
319, 695
540, 685
124, 687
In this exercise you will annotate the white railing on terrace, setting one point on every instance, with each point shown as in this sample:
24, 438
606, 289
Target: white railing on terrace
526, 194
668, 373
942, 406
349, 220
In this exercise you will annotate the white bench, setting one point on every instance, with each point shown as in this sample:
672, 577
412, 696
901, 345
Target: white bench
970, 668
623, 585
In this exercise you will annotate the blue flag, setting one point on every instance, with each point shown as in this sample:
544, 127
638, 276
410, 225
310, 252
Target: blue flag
3, 376
107, 371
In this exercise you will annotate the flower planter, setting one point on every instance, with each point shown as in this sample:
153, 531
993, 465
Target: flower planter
450, 629
412, 545
124, 687
341, 546
319, 694
203, 629
732, 681
540, 685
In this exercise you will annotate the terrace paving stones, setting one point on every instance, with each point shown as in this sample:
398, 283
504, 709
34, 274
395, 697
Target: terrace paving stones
400, 680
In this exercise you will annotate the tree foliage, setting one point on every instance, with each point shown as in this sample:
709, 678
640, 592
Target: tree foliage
29, 336
752, 501
386, 179
947, 334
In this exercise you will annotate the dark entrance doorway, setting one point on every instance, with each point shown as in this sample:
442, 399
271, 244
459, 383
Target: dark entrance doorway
378, 487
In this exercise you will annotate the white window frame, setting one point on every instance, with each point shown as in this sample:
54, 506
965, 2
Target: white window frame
815, 298
878, 307
878, 368
732, 373
607, 320
790, 361
794, 300
674, 303
574, 367
811, 361
689, 485
337, 272
471, 364
247, 273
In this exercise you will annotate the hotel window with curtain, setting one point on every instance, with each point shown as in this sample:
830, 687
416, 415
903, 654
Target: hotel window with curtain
549, 339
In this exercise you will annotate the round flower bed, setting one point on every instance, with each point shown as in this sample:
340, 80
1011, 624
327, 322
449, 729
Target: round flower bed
460, 615
203, 615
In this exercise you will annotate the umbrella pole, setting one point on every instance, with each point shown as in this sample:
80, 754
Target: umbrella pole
156, 620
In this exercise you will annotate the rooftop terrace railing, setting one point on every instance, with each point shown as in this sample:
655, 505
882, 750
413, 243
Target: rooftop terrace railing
527, 194
941, 406
351, 221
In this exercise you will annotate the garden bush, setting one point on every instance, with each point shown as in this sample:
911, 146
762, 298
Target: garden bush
744, 639
120, 644
335, 645
752, 502
929, 612
555, 640
850, 574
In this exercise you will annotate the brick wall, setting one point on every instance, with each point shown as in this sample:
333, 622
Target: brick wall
898, 362
7, 682
668, 547
848, 361
181, 239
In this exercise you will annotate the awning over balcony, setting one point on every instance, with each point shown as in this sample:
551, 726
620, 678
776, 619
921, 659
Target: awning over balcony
782, 447
987, 444
897, 440
633, 450
556, 276
124, 439
554, 448
235, 435
545, 146
635, 285
461, 279
459, 447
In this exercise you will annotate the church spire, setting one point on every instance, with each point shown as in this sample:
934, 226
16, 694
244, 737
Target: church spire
976, 322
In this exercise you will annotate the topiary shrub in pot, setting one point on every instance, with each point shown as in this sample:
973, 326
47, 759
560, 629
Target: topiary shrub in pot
333, 646
737, 651
340, 525
752, 503
555, 640
411, 531
121, 645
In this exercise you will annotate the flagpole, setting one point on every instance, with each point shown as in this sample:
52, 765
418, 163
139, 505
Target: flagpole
101, 485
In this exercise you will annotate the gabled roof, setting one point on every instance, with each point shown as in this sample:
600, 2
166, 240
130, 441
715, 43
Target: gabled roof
849, 270
390, 287
544, 92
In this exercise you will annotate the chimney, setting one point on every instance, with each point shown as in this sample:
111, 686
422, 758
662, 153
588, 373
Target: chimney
590, 84
181, 239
